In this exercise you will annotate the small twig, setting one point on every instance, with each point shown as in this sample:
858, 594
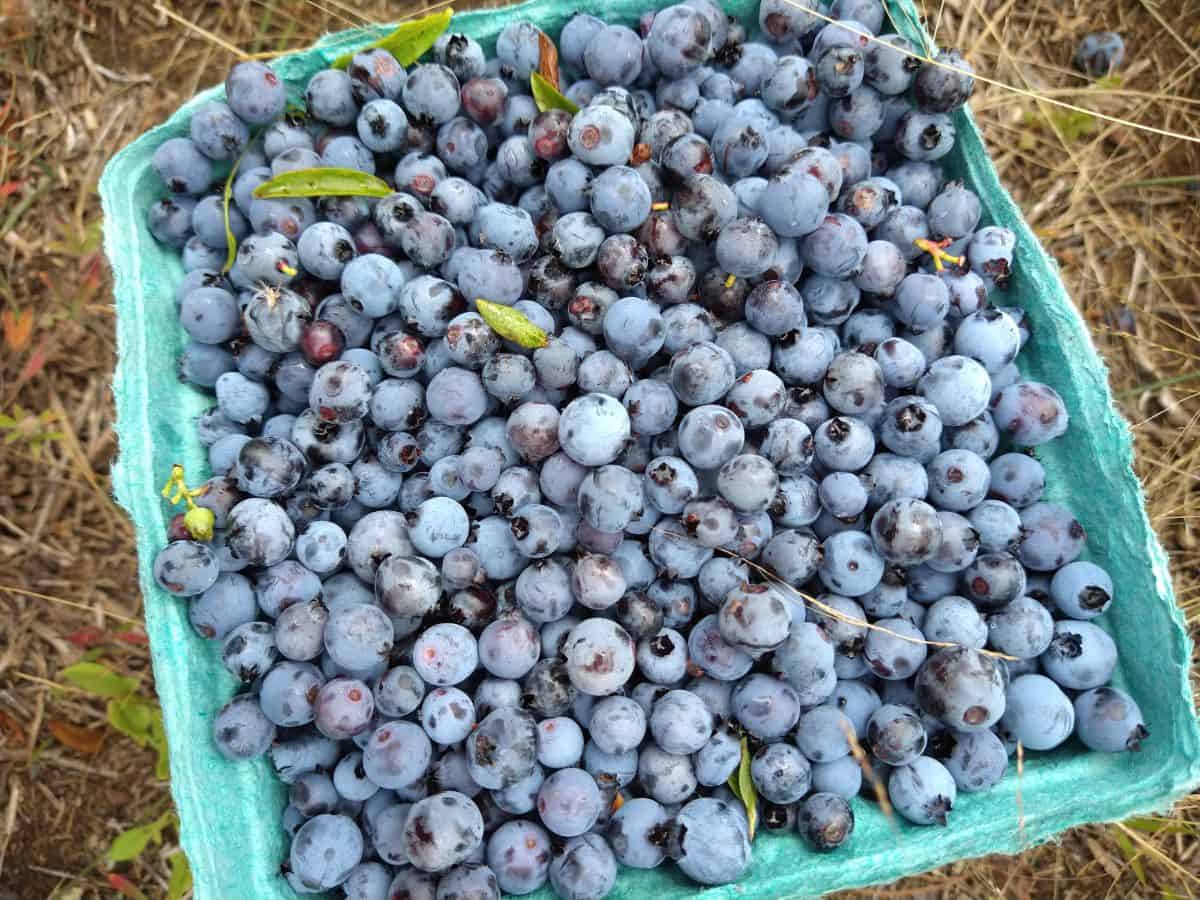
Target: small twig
220, 42
98, 70
10, 819
21, 592
46, 682
1155, 385
860, 757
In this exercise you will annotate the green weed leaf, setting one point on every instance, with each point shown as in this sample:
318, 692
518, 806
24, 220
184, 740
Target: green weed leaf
322, 183
227, 198
100, 680
129, 844
546, 96
511, 324
181, 876
408, 42
742, 786
1131, 854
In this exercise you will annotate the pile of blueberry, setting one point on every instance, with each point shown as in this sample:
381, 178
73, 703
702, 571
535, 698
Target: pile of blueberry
506, 614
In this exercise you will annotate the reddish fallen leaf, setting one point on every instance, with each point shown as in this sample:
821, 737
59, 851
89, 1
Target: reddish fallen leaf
11, 730
10, 187
547, 59
78, 738
18, 328
125, 887
34, 365
91, 268
87, 637
137, 638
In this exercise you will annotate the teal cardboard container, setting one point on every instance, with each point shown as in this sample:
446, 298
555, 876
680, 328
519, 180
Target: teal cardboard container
230, 812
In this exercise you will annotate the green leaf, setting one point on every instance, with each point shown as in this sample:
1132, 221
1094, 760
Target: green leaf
226, 199
129, 844
1152, 825
546, 96
158, 740
1074, 125
181, 876
135, 718
100, 680
511, 324
322, 183
1132, 855
142, 722
742, 786
408, 42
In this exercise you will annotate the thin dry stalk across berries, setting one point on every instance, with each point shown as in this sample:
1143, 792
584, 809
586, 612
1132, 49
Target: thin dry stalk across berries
1116, 120
840, 616
877, 785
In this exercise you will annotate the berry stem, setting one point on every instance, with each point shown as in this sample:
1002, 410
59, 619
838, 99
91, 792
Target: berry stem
937, 250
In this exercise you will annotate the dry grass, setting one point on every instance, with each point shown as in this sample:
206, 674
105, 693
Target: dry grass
1118, 208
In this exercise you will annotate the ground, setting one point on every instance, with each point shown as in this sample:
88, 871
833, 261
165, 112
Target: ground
1117, 206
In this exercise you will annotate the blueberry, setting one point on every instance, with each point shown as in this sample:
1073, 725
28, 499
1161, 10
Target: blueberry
447, 715
583, 869
255, 93
961, 688
593, 429
923, 791
784, 23
1037, 714
997, 525
1108, 720
241, 730
343, 708
1024, 628
406, 585
324, 851
727, 857
945, 84
954, 620
924, 137
1080, 655
826, 820
1100, 53
1081, 590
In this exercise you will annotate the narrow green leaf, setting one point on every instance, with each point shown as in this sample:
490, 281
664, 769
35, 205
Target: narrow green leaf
511, 324
181, 876
129, 844
100, 680
1131, 854
1152, 825
749, 797
226, 199
742, 786
158, 740
546, 96
322, 183
409, 41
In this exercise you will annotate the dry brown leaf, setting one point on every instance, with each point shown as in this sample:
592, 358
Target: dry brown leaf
18, 328
548, 59
12, 731
78, 738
